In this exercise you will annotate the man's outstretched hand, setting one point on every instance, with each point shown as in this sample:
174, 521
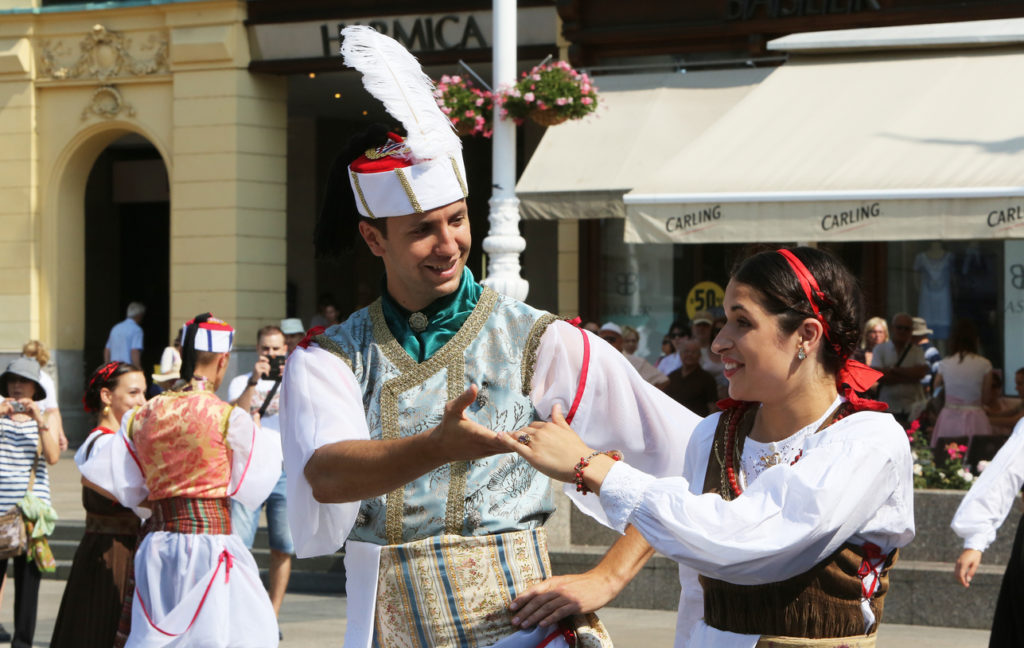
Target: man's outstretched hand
458, 438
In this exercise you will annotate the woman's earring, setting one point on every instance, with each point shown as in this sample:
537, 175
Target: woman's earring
106, 410
800, 353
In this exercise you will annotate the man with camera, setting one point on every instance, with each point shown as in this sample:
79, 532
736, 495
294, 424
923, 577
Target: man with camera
257, 393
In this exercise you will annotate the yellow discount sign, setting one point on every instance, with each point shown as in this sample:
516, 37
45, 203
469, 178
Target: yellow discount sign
704, 296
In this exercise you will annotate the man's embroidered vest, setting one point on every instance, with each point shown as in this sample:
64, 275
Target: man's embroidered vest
823, 602
180, 444
496, 350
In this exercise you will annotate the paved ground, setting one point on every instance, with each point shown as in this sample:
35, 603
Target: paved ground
309, 621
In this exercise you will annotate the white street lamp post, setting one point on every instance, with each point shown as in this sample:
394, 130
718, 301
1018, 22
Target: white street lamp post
503, 243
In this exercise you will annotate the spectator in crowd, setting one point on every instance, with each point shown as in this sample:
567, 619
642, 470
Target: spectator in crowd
593, 327
27, 446
327, 313
931, 354
700, 330
903, 366
690, 385
51, 411
966, 378
630, 340
124, 344
671, 362
876, 331
612, 334
1003, 413
667, 348
250, 392
90, 610
293, 332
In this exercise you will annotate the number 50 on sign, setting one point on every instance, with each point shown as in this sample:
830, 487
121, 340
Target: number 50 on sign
706, 295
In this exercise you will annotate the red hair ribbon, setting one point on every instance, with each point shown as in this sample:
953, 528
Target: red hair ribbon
101, 376
853, 376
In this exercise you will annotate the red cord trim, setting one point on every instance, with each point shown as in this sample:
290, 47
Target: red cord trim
248, 461
583, 378
228, 560
132, 453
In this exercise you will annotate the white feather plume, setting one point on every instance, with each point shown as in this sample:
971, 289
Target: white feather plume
396, 79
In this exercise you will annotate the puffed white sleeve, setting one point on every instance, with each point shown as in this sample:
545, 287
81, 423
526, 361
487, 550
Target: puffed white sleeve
612, 406
255, 459
990, 499
99, 454
113, 466
321, 403
859, 484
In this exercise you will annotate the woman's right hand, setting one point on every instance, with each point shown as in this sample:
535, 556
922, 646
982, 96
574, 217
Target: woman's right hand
6, 408
552, 447
966, 566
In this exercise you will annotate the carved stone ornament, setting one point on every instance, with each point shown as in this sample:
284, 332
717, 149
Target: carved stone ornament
107, 103
104, 54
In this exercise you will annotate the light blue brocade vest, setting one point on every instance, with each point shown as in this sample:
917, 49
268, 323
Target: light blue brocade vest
496, 350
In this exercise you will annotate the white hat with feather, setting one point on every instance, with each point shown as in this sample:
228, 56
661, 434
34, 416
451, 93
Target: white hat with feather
424, 170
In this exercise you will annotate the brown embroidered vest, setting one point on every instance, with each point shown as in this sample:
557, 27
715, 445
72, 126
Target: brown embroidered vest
823, 602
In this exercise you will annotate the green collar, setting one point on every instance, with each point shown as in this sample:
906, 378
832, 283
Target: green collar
445, 316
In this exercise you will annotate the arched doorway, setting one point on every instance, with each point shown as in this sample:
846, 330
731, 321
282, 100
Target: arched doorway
127, 246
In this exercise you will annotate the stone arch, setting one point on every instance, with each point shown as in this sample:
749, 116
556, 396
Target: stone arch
62, 279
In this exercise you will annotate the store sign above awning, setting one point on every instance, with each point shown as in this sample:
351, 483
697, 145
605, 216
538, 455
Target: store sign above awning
993, 213
420, 33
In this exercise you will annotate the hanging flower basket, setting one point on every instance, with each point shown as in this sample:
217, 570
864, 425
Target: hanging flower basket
548, 117
469, 108
550, 94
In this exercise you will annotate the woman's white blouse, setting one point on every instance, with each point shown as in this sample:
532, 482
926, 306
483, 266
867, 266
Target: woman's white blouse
990, 499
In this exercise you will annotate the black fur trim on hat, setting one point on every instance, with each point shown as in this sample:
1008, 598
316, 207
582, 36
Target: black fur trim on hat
337, 228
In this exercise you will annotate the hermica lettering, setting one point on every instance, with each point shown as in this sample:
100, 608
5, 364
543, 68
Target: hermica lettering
423, 34
851, 217
999, 217
687, 221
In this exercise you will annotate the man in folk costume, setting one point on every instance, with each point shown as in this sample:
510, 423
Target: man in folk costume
178, 460
440, 531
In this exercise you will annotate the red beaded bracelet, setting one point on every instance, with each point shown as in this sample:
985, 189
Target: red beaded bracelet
585, 461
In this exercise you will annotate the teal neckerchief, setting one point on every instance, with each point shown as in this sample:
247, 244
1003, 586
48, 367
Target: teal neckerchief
446, 315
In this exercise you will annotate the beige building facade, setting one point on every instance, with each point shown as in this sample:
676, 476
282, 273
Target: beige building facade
172, 79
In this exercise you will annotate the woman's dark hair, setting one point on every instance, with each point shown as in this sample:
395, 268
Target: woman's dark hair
107, 376
782, 295
964, 339
337, 229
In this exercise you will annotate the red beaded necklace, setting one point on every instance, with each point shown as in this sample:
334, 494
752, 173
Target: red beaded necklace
736, 415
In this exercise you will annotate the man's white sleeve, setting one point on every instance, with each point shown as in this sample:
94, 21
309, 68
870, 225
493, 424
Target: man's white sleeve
321, 404
613, 407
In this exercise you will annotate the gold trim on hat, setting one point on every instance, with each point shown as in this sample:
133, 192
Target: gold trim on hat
359, 192
408, 191
458, 176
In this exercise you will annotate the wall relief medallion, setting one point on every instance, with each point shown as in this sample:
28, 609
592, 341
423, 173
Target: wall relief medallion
104, 54
107, 103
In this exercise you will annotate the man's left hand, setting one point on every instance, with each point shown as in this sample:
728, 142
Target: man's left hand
549, 602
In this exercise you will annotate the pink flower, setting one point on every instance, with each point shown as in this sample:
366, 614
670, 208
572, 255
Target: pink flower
528, 97
536, 77
542, 105
955, 451
470, 113
456, 79
446, 110
585, 88
479, 101
586, 101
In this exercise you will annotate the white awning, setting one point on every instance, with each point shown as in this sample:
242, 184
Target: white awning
869, 147
582, 168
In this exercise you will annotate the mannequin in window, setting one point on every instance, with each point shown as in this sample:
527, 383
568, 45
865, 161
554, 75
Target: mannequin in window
934, 271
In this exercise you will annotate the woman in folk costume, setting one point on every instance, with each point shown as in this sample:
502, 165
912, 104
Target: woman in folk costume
980, 514
442, 527
182, 456
91, 606
794, 500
